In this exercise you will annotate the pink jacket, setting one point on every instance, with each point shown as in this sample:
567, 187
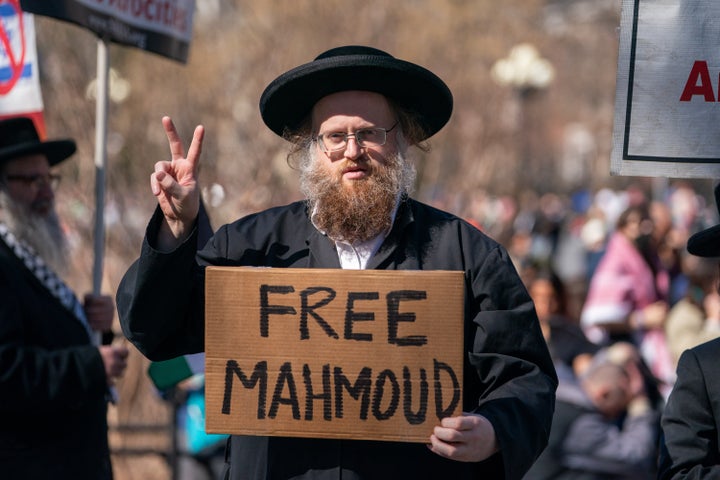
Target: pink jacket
621, 284
624, 283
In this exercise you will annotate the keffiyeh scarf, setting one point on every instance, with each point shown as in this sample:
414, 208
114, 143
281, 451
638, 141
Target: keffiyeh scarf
46, 276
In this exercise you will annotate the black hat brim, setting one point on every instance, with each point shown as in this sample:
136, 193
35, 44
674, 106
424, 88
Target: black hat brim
288, 100
705, 243
55, 150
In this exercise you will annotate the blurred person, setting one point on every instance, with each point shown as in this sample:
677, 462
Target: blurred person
695, 318
604, 426
593, 235
54, 380
627, 297
628, 356
690, 445
351, 116
685, 207
668, 241
569, 347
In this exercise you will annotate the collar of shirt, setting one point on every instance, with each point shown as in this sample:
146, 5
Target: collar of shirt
356, 257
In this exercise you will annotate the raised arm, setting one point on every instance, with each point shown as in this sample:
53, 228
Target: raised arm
174, 183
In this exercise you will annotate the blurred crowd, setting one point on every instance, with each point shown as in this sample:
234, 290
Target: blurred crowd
619, 299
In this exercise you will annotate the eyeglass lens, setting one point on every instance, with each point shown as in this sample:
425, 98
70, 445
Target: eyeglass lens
36, 181
367, 137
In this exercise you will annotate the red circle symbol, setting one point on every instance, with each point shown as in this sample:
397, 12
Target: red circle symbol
15, 63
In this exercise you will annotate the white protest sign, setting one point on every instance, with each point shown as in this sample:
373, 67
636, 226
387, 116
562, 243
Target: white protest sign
20, 92
667, 105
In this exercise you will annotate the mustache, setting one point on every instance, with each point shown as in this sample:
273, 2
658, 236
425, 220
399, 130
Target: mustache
353, 165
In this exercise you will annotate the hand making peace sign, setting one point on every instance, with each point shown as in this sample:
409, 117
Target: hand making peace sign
175, 185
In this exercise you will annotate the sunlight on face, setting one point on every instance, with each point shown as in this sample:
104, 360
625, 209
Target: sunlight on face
347, 112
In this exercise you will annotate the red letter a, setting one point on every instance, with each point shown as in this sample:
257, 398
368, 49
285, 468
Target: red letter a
699, 72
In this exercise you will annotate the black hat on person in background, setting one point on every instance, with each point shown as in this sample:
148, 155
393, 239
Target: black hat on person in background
18, 137
706, 243
289, 98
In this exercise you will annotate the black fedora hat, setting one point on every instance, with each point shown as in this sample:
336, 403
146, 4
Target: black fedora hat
288, 99
18, 137
706, 243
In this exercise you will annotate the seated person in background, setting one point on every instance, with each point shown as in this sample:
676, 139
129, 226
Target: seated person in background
604, 426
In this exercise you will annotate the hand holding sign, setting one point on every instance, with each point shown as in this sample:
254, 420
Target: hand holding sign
174, 183
467, 438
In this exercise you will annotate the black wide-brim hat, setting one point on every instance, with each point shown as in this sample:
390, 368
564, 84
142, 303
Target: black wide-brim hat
706, 243
288, 100
18, 138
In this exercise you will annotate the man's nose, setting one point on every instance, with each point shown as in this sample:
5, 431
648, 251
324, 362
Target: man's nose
44, 199
352, 148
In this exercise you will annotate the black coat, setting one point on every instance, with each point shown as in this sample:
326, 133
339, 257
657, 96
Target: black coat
53, 410
691, 419
509, 376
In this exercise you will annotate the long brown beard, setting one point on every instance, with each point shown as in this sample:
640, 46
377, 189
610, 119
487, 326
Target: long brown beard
44, 234
361, 211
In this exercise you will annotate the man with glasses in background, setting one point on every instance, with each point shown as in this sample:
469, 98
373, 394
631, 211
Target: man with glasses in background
351, 116
53, 380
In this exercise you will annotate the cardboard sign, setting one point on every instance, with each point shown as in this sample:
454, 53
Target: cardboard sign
330, 353
667, 103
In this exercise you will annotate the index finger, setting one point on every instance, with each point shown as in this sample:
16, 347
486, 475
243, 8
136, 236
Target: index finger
176, 147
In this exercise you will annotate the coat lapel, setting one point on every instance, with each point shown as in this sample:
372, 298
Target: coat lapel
322, 251
383, 257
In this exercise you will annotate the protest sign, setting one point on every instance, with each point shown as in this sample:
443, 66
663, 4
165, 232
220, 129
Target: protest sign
667, 105
20, 93
331, 353
159, 26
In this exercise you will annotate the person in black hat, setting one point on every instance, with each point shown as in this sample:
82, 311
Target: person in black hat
351, 116
690, 446
54, 380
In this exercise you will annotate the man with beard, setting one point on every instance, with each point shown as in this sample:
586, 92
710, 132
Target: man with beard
54, 380
351, 115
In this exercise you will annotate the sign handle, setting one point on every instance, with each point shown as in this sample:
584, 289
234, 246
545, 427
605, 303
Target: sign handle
100, 161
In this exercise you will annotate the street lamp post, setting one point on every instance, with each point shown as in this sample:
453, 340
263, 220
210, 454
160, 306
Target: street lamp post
526, 73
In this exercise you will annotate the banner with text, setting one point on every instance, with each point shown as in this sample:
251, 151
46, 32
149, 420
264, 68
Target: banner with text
159, 26
667, 106
331, 353
20, 93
